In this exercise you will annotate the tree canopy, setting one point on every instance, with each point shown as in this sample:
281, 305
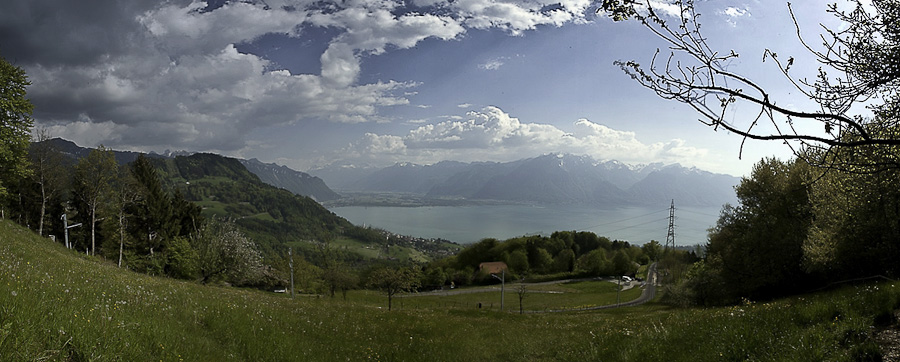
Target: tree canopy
15, 124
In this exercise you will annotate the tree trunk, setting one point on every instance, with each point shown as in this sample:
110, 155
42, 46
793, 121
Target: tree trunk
43, 208
93, 228
121, 235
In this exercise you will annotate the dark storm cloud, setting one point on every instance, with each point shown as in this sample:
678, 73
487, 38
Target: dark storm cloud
53, 32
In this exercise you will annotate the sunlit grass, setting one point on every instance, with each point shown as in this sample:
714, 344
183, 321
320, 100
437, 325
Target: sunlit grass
57, 305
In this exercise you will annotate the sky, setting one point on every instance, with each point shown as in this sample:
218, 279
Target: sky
374, 82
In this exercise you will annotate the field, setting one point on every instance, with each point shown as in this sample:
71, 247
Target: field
61, 306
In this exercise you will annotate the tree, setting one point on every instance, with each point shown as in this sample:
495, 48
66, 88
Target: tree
757, 247
564, 261
856, 227
859, 73
652, 250
594, 263
518, 261
521, 291
93, 177
125, 194
622, 264
153, 207
223, 251
394, 280
15, 124
47, 171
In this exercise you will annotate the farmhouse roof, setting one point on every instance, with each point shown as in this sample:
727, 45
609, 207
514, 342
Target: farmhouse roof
492, 267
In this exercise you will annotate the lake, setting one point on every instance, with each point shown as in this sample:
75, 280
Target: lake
468, 224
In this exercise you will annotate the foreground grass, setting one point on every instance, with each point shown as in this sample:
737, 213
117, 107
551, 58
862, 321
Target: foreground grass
57, 305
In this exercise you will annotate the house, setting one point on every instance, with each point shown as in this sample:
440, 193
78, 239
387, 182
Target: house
493, 267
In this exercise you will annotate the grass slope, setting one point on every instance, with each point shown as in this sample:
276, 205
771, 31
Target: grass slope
59, 306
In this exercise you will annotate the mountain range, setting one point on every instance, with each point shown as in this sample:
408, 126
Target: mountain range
547, 179
551, 178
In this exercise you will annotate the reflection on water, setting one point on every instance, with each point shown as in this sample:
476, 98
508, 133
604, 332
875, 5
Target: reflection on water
467, 224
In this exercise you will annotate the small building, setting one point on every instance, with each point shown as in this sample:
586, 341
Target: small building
492, 267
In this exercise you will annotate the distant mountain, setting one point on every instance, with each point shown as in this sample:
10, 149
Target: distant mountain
75, 152
279, 176
688, 186
300, 183
551, 178
342, 176
409, 177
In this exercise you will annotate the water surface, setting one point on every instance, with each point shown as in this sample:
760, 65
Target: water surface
467, 224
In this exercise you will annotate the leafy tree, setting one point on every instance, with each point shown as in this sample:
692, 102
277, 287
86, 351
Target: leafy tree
394, 280
757, 247
594, 263
518, 262
652, 250
15, 125
93, 177
477, 253
856, 227
564, 261
622, 264
540, 259
224, 252
859, 74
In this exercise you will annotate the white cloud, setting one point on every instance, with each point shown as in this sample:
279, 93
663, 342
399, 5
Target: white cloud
464, 105
492, 64
170, 74
666, 8
493, 135
732, 14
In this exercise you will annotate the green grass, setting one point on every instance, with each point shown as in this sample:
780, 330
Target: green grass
56, 305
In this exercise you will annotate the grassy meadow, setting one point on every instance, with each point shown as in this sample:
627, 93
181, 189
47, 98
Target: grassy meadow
56, 305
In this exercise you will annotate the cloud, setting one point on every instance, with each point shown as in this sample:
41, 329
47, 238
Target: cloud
492, 64
493, 135
136, 73
666, 8
733, 13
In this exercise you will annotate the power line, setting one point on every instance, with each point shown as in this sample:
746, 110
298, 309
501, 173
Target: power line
630, 218
634, 226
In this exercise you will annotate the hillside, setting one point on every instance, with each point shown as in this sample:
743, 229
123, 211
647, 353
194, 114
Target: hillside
297, 182
300, 183
224, 187
58, 305
274, 216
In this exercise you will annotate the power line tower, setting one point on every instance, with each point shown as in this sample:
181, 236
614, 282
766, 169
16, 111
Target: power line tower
670, 237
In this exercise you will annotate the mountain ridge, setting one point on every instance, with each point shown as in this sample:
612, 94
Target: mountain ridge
297, 182
551, 178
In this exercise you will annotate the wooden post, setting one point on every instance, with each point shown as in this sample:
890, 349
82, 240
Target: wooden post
291, 263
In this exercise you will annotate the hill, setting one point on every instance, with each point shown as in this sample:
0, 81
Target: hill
547, 179
297, 182
300, 183
271, 216
274, 216
58, 305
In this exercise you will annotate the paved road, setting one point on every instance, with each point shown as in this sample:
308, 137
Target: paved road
648, 293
